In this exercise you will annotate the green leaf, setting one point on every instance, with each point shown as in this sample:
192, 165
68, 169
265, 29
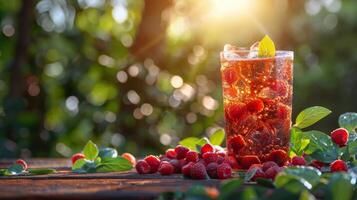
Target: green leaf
352, 148
298, 142
321, 147
341, 186
230, 186
114, 165
79, 164
90, 150
306, 195
108, 153
189, 142
265, 182
307, 176
14, 169
2, 172
348, 121
310, 116
266, 47
217, 137
201, 142
291, 183
40, 171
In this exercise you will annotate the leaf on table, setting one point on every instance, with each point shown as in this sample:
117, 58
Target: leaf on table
90, 150
310, 116
79, 164
108, 152
114, 165
189, 142
41, 171
348, 121
217, 137
14, 169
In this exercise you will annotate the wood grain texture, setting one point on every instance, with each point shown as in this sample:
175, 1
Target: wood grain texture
67, 185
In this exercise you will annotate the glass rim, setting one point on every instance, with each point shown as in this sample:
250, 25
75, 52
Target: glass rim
278, 54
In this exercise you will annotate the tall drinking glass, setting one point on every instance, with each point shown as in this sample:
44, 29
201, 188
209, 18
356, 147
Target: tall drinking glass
257, 96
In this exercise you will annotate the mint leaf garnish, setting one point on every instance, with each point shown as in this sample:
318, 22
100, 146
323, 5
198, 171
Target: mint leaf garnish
189, 142
114, 165
310, 116
90, 150
217, 137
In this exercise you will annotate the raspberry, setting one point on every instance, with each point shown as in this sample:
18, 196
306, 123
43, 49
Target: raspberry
154, 163
236, 143
198, 171
22, 163
282, 112
210, 157
142, 167
220, 159
229, 75
268, 165
181, 151
170, 153
182, 163
338, 166
186, 170
279, 87
247, 161
77, 156
298, 160
221, 153
340, 136
272, 172
176, 164
212, 170
192, 156
129, 157
279, 157
224, 171
232, 161
258, 174
255, 106
317, 164
166, 168
207, 148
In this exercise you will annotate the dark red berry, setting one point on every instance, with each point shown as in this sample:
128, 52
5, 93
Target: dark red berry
340, 136
170, 153
317, 164
142, 167
77, 156
236, 143
181, 151
247, 161
235, 112
207, 148
280, 157
186, 170
272, 172
209, 157
221, 153
255, 106
129, 157
154, 163
298, 160
192, 156
338, 166
220, 160
232, 161
268, 165
224, 171
212, 170
166, 168
176, 164
198, 171
22, 163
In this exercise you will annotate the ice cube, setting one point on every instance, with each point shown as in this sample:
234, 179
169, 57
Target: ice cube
267, 92
254, 47
253, 53
229, 47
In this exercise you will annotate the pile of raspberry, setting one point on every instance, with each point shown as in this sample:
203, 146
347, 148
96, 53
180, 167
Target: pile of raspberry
211, 161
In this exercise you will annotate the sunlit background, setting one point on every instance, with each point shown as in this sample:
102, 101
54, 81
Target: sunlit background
138, 75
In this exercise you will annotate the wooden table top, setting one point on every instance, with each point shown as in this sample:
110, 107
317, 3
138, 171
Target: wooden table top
66, 185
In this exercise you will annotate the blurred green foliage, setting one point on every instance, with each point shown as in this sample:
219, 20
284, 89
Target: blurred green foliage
81, 79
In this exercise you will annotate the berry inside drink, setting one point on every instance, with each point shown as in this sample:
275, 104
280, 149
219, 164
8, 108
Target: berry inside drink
257, 96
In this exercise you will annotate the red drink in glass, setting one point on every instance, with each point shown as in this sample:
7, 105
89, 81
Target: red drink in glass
257, 96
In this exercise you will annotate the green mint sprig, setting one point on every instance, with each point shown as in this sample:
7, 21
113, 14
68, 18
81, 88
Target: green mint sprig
17, 169
100, 160
195, 143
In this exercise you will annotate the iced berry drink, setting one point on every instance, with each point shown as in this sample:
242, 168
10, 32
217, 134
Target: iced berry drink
257, 95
